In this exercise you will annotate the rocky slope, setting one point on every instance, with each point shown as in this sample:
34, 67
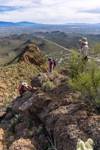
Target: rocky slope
49, 120
29, 63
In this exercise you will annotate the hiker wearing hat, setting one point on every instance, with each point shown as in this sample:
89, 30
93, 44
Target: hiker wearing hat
84, 48
23, 87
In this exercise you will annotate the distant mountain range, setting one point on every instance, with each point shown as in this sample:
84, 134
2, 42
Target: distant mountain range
7, 24
7, 28
25, 23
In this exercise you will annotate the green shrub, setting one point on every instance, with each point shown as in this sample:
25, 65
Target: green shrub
48, 85
87, 85
86, 80
76, 64
96, 48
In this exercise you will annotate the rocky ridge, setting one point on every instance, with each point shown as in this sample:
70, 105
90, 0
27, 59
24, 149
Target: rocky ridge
53, 119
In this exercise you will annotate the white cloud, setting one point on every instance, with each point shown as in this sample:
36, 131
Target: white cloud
52, 11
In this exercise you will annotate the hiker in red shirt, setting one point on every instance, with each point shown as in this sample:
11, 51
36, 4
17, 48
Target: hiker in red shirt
54, 63
23, 87
50, 64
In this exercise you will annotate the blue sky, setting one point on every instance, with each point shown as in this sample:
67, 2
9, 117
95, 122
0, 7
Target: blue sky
50, 11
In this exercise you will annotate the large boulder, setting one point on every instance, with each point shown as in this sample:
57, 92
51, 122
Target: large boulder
33, 55
22, 144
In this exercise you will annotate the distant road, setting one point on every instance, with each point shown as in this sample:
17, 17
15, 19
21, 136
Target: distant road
58, 45
95, 59
66, 49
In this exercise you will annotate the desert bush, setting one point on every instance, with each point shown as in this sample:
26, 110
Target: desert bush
96, 48
48, 85
43, 77
55, 73
86, 80
76, 64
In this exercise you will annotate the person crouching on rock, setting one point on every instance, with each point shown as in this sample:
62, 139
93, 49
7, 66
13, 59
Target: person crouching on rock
23, 87
50, 65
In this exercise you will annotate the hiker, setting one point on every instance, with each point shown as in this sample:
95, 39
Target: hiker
54, 63
50, 65
84, 48
23, 87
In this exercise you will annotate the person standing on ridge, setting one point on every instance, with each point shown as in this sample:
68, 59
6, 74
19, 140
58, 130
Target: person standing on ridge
50, 65
84, 48
54, 63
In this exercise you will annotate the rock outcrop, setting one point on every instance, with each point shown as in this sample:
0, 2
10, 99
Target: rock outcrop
53, 118
33, 55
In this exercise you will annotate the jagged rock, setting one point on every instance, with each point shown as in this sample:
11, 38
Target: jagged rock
2, 134
21, 130
65, 121
25, 103
92, 128
36, 82
33, 55
21, 103
3, 112
22, 144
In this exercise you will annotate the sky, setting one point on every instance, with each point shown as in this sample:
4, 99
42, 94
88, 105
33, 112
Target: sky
50, 11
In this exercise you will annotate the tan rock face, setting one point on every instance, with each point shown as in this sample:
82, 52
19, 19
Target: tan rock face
33, 55
3, 85
2, 134
2, 139
22, 144
3, 88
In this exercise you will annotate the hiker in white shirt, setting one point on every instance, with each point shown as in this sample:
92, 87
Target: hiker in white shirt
84, 48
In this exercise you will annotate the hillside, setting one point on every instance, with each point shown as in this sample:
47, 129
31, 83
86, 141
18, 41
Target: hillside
55, 44
53, 50
9, 28
12, 46
29, 63
70, 40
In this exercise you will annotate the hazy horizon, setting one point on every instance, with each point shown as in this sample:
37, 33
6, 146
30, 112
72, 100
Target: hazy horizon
43, 23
